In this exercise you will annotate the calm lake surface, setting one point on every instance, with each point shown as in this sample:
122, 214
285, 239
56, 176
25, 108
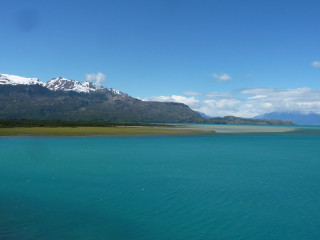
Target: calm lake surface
161, 188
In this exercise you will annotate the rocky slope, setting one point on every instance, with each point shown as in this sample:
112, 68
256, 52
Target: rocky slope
63, 84
55, 84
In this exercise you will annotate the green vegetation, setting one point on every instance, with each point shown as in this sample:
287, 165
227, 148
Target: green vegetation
96, 131
73, 128
39, 123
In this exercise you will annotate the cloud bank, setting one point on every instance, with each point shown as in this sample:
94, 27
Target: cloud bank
250, 102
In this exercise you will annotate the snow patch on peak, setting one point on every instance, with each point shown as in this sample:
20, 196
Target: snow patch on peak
64, 84
114, 91
57, 84
117, 92
7, 79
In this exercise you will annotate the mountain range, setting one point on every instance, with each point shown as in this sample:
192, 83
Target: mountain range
55, 84
71, 100
296, 117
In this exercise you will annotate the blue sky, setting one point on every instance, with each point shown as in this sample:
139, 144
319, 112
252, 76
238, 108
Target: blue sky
240, 58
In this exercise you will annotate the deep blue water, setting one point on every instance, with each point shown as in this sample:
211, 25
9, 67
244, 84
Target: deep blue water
160, 188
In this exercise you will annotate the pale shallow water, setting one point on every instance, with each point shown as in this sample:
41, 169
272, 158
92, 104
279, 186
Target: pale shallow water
244, 128
197, 187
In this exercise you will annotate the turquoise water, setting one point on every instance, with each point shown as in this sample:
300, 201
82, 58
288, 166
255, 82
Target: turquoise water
198, 187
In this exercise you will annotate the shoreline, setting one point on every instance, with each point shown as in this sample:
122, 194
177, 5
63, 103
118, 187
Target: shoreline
98, 131
243, 129
178, 130
156, 131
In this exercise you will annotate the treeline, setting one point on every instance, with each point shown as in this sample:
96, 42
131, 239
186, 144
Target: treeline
9, 123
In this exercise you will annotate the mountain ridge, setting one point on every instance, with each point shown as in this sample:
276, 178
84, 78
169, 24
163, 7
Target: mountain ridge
55, 84
71, 100
39, 103
296, 117
17, 80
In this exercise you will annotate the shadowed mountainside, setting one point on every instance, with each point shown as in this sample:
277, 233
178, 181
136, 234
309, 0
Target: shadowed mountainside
39, 103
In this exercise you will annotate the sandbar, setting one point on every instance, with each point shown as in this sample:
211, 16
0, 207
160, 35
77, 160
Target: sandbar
238, 129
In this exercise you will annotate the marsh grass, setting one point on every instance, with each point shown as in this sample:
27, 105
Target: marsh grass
97, 131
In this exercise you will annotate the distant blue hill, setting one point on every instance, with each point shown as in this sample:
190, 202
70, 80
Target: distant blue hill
295, 117
203, 115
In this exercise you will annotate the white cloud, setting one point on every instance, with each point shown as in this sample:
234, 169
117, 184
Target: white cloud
265, 100
259, 101
98, 78
315, 63
192, 102
258, 97
257, 91
221, 107
191, 93
222, 78
218, 95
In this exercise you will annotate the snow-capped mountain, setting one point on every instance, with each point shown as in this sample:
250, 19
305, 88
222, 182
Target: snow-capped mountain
30, 98
115, 91
57, 84
63, 84
7, 79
